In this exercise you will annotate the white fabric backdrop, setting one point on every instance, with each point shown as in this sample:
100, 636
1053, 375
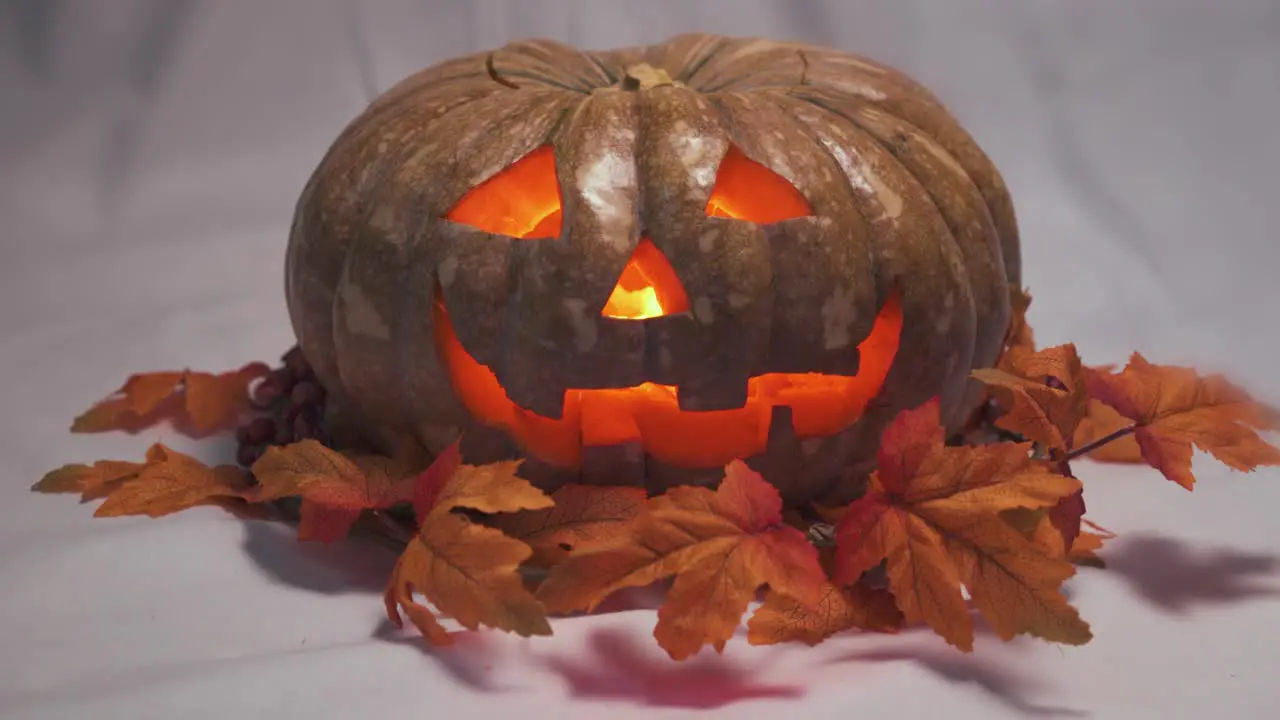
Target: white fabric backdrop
150, 155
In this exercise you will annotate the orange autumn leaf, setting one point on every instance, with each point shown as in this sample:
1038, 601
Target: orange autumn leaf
168, 482
466, 570
93, 481
934, 514
720, 545
173, 482
1084, 551
782, 619
1043, 396
1102, 420
1019, 340
198, 403
335, 489
1175, 410
584, 516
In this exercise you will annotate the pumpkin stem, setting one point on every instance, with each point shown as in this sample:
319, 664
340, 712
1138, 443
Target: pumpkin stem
644, 76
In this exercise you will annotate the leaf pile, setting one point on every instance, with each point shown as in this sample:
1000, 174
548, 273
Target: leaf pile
944, 531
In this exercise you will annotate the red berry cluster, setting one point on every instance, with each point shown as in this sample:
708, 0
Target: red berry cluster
289, 406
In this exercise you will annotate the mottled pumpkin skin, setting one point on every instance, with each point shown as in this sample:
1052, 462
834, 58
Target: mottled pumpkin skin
901, 196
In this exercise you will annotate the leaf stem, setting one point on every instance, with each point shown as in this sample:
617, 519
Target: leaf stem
1086, 449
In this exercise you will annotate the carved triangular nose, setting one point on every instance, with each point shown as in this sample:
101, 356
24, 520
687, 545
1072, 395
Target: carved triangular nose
648, 287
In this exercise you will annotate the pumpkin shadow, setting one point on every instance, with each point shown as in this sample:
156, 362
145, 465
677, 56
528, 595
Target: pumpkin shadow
328, 568
470, 660
1179, 578
617, 667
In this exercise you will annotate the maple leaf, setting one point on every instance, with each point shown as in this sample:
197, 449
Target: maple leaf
934, 515
1101, 421
1174, 410
583, 517
93, 481
168, 482
720, 545
1067, 516
839, 608
171, 482
199, 403
335, 489
1019, 340
1084, 551
1043, 396
466, 570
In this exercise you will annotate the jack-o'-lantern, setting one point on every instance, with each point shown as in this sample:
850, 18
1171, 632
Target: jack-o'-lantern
634, 266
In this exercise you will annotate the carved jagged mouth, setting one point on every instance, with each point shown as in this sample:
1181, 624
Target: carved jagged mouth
650, 414
523, 201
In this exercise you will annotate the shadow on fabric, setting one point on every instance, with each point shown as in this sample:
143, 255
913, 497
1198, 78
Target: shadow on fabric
1179, 578
336, 568
618, 666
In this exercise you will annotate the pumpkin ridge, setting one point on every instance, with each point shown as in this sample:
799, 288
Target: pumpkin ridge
920, 357
991, 301
906, 98
747, 64
413, 386
400, 175
470, 67
851, 206
990, 333
610, 76
377, 114
547, 62
856, 206
709, 48
333, 178
953, 138
555, 336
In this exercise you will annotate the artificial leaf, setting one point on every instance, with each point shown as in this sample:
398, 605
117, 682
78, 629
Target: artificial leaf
1100, 422
782, 619
168, 482
1066, 516
936, 516
93, 481
584, 516
464, 569
1043, 396
1174, 410
1085, 550
335, 489
1019, 340
720, 545
199, 403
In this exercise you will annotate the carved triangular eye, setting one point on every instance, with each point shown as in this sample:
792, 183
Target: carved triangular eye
522, 200
747, 190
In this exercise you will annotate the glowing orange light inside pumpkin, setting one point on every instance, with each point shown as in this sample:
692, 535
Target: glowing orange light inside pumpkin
523, 200
649, 287
747, 190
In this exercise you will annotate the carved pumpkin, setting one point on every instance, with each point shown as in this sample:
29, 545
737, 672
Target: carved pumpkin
637, 265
